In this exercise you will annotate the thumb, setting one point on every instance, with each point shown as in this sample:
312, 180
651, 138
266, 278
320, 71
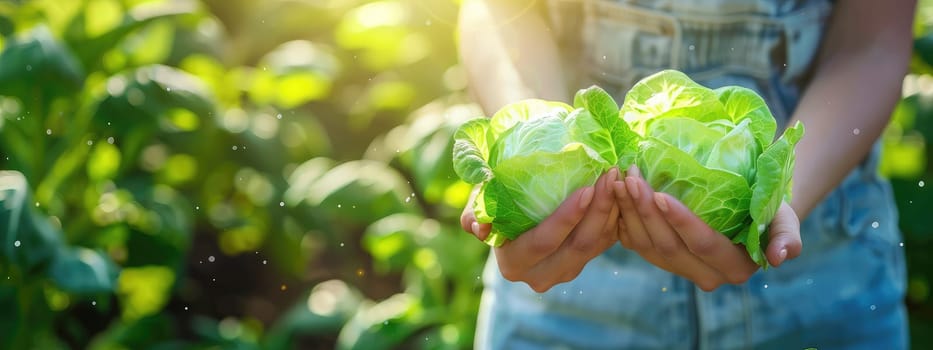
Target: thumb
784, 233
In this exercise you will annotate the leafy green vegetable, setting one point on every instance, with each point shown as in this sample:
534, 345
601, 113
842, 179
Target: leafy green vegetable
532, 154
713, 150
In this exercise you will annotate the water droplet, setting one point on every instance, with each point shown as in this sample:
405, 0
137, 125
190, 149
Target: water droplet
197, 207
809, 281
691, 47
94, 303
37, 204
110, 140
360, 272
17, 243
604, 57
407, 199
28, 67
427, 22
186, 308
48, 131
264, 262
89, 142
283, 287
339, 205
281, 204
874, 224
663, 289
615, 273
581, 292
168, 89
278, 116
920, 183
210, 258
901, 244
341, 244
856, 131
565, 292
766, 285
234, 148
872, 307
213, 279
731, 49
386, 323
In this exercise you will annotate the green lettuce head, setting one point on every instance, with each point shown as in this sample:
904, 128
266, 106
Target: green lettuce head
715, 151
532, 154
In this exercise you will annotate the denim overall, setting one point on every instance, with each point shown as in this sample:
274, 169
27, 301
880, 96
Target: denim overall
846, 289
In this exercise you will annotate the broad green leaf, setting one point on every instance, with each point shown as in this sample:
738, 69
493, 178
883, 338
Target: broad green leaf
539, 182
743, 103
616, 141
688, 135
599, 103
670, 94
506, 117
736, 152
585, 129
547, 133
91, 48
719, 198
472, 144
324, 310
29, 240
386, 324
83, 271
391, 240
141, 97
775, 170
361, 191
37, 62
496, 205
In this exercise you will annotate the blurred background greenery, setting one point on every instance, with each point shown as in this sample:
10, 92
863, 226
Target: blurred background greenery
271, 174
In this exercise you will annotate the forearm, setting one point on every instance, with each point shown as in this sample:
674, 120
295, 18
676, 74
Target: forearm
856, 84
508, 53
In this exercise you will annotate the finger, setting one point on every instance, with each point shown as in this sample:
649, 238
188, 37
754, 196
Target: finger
666, 241
530, 248
589, 236
785, 242
468, 218
593, 235
637, 238
710, 246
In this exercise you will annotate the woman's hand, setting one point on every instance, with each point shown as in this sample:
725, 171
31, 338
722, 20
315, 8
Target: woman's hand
558, 248
666, 233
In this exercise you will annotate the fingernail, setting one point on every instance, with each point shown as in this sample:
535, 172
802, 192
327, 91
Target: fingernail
586, 197
782, 254
661, 202
475, 227
632, 187
633, 171
611, 177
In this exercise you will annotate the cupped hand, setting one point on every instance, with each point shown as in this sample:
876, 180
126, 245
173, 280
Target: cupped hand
666, 233
558, 248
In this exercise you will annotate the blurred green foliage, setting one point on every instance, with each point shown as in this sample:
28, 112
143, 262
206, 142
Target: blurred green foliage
270, 174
